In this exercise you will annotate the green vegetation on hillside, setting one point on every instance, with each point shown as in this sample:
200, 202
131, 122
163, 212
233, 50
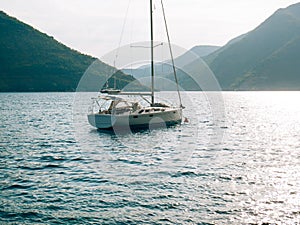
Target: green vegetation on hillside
33, 61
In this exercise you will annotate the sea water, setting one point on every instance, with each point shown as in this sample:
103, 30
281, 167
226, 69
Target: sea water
236, 161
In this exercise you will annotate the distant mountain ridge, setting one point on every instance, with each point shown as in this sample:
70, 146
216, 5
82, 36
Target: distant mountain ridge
165, 68
33, 61
204, 50
266, 58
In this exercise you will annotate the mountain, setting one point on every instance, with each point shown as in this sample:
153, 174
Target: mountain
266, 58
279, 71
165, 69
33, 61
204, 50
210, 57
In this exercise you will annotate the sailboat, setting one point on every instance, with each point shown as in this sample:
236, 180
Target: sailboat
110, 110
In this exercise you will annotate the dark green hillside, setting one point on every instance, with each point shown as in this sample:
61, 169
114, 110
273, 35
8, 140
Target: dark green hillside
33, 61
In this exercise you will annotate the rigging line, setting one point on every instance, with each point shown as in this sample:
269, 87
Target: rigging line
171, 53
122, 32
145, 99
121, 37
140, 46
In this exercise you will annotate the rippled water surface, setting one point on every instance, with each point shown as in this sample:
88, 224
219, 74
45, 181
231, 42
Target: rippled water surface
237, 163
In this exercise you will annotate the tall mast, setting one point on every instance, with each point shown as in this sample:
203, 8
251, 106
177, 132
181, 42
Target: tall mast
152, 61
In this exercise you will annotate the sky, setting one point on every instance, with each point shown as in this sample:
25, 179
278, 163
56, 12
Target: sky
96, 27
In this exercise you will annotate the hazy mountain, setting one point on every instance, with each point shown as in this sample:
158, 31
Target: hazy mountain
165, 68
210, 57
204, 50
33, 61
266, 58
279, 71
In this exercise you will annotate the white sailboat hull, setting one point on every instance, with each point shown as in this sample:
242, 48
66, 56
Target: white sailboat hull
169, 116
121, 113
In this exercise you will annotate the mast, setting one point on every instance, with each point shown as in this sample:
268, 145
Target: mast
152, 60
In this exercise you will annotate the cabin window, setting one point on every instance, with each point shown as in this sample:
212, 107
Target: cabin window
135, 116
151, 115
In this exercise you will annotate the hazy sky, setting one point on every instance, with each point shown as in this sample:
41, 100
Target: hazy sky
94, 26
